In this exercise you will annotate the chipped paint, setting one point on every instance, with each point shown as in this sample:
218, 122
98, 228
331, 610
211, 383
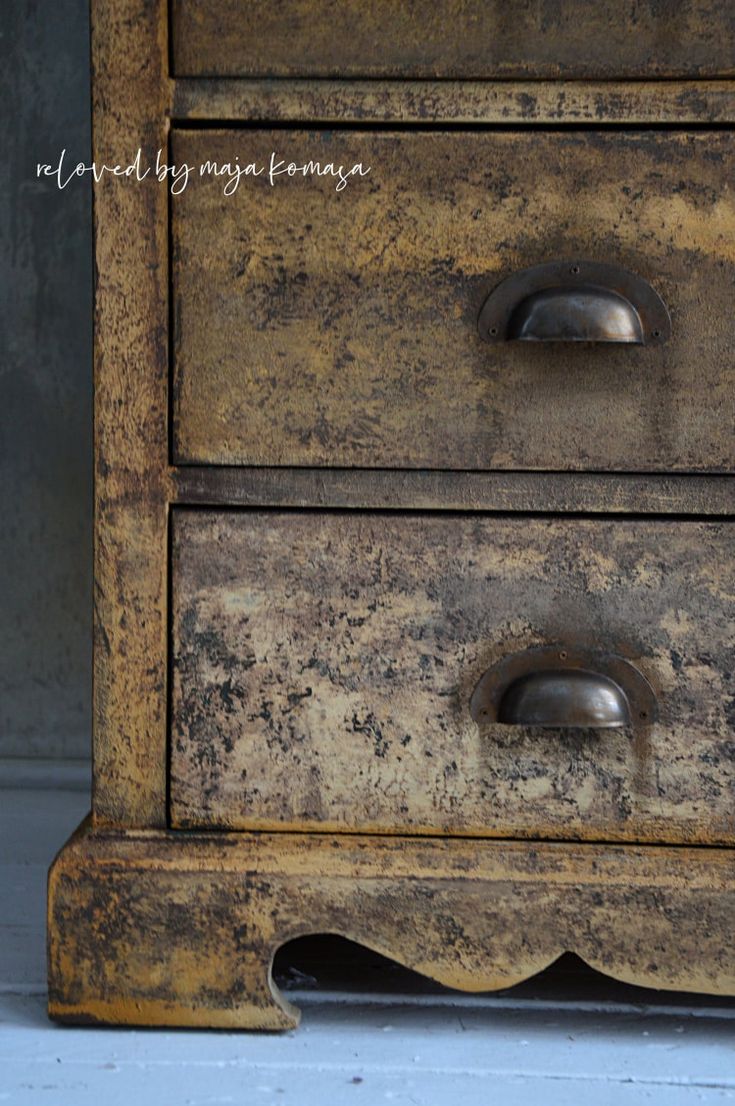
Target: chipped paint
314, 329
453, 38
162, 929
323, 665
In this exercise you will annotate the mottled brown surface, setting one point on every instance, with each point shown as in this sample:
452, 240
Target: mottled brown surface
131, 439
155, 928
339, 331
324, 662
323, 328
562, 102
453, 38
537, 492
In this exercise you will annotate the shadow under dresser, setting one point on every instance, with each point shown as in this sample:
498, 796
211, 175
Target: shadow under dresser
414, 592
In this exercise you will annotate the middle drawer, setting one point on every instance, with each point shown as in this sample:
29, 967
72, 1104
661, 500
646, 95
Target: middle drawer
331, 670
322, 328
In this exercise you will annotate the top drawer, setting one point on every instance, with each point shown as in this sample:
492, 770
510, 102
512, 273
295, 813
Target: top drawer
321, 328
454, 38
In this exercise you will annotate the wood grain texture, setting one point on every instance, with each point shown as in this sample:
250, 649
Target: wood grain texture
509, 102
323, 328
453, 38
324, 662
160, 929
131, 433
534, 493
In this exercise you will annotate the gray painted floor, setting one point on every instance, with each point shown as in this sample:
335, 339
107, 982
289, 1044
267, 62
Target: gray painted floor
553, 1044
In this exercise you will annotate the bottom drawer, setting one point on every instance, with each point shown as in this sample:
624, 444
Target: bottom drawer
324, 665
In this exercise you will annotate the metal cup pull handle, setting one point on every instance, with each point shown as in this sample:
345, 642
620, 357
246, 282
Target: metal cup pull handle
564, 688
575, 301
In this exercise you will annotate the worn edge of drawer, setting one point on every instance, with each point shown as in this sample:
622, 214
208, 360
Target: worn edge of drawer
602, 103
475, 915
421, 489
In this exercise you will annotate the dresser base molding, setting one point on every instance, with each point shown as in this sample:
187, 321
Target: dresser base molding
180, 929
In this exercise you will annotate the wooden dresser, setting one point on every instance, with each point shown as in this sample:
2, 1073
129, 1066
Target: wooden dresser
415, 591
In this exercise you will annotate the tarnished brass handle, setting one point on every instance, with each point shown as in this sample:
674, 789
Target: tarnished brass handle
575, 301
566, 688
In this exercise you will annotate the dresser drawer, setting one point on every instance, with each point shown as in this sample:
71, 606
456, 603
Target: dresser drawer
324, 328
330, 671
473, 38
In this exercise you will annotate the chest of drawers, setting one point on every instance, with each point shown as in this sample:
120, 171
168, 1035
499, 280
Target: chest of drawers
414, 607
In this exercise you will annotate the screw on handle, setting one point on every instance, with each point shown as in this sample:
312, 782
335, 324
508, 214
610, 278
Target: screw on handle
575, 301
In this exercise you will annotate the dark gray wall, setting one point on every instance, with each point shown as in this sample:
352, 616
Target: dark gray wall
45, 383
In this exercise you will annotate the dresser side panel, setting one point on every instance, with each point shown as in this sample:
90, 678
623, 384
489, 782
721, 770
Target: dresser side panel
131, 97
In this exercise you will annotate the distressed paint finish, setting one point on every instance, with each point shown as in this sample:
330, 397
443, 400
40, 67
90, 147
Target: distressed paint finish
562, 102
155, 929
323, 665
172, 927
132, 486
323, 328
453, 38
535, 493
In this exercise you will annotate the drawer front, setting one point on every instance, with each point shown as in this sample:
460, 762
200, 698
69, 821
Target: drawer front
324, 663
472, 38
324, 328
